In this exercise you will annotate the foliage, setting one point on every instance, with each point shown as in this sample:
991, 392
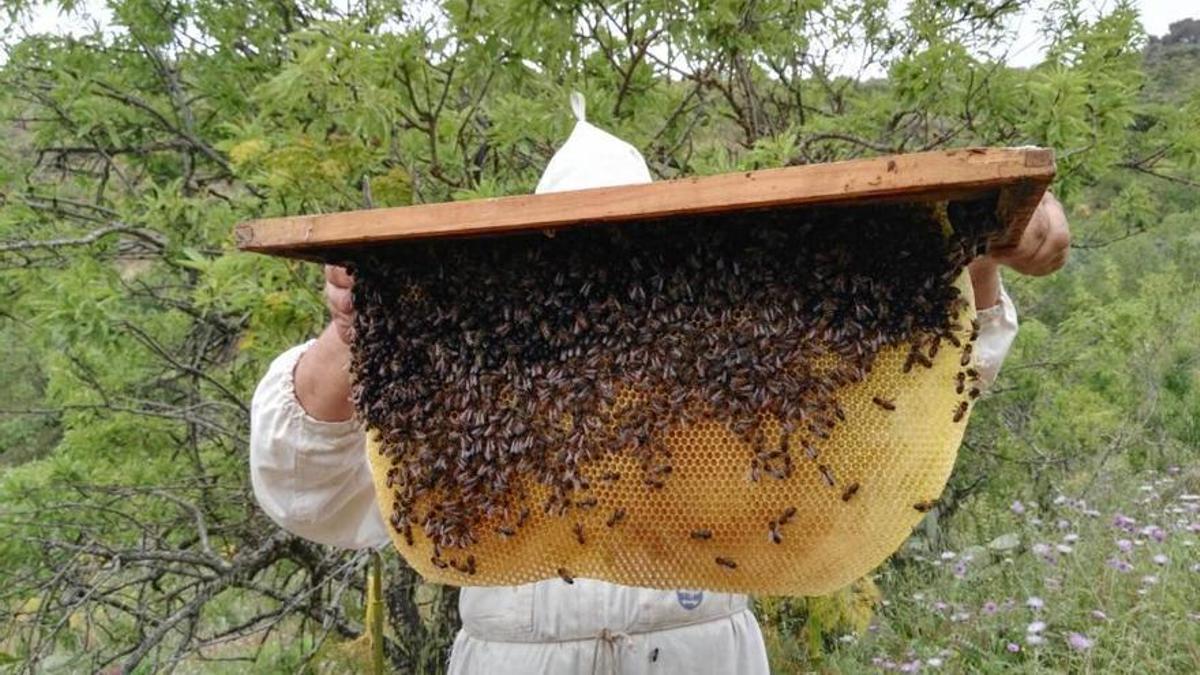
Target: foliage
132, 334
1088, 589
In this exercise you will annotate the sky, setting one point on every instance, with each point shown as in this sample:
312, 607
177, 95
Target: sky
1027, 50
1157, 15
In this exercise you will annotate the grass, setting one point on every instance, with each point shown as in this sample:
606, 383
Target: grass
1110, 584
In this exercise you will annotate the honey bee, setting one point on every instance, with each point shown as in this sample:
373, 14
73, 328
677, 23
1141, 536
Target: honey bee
838, 412
438, 562
578, 530
926, 505
883, 403
960, 411
616, 517
470, 569
565, 575
959, 382
788, 514
826, 474
726, 563
522, 517
754, 472
849, 492
773, 533
702, 535
505, 531
610, 476
586, 503
974, 393
966, 356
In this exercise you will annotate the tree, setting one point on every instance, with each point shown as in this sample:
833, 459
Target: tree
132, 151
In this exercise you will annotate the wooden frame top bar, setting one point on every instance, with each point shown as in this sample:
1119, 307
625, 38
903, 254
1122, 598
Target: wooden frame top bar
1017, 176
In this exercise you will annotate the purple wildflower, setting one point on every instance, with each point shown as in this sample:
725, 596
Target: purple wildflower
1013, 647
1160, 559
1035, 627
1120, 565
1017, 507
1099, 615
1035, 603
1125, 545
1079, 642
989, 608
1154, 532
1123, 522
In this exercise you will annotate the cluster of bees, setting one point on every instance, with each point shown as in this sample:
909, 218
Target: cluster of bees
487, 365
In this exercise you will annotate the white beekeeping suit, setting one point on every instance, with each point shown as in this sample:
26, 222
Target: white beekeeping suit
312, 478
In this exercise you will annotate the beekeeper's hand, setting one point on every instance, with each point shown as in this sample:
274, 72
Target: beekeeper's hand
1043, 249
322, 376
341, 306
1045, 244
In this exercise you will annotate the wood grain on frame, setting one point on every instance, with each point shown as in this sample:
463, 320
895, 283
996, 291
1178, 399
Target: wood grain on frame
1018, 176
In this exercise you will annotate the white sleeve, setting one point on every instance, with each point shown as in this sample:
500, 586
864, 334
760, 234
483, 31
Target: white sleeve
310, 477
997, 330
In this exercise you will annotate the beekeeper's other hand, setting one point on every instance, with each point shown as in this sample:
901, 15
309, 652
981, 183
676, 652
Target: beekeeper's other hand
322, 376
1044, 246
338, 283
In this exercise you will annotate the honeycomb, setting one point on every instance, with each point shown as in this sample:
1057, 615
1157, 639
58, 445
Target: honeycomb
714, 526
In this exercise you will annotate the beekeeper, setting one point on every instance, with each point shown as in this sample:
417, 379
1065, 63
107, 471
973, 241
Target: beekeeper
310, 475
